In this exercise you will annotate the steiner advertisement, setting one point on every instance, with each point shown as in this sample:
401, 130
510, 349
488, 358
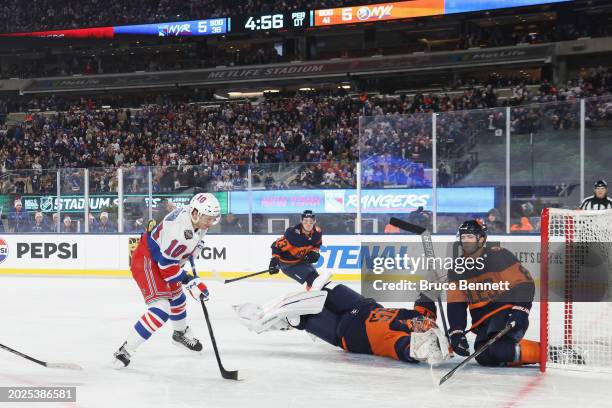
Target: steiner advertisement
339, 201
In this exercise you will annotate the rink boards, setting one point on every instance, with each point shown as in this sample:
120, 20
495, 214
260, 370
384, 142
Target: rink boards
225, 256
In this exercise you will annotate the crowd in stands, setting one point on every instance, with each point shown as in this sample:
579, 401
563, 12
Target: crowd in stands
309, 140
141, 60
38, 15
45, 14
221, 140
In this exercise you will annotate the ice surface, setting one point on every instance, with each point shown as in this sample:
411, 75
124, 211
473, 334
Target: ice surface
85, 320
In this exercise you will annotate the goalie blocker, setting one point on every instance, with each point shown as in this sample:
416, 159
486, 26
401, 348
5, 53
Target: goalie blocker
344, 318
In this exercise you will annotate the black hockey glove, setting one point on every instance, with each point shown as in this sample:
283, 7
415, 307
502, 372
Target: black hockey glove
459, 343
312, 257
273, 267
520, 317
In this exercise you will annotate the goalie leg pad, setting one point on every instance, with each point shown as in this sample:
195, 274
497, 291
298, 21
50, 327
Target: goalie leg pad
274, 314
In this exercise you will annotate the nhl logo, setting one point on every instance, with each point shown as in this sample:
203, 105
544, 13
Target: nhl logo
188, 234
4, 250
46, 204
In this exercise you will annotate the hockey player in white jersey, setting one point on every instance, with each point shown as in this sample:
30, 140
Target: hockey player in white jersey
157, 268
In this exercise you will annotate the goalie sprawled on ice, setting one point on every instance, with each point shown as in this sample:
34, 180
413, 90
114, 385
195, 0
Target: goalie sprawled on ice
344, 318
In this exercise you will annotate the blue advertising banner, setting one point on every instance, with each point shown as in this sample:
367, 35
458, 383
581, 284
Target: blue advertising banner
337, 201
464, 6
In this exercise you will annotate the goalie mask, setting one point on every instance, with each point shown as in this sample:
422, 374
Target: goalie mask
204, 204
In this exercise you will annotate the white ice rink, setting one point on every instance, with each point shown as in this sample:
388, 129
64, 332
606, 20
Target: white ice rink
85, 320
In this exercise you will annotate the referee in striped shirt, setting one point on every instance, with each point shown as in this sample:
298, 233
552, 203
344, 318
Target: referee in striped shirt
599, 200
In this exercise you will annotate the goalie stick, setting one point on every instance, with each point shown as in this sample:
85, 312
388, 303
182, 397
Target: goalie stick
429, 253
477, 353
228, 375
64, 366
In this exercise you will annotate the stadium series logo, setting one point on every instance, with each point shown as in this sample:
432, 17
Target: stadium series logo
4, 250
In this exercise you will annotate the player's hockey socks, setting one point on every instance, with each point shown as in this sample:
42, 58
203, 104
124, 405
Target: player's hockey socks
177, 308
153, 319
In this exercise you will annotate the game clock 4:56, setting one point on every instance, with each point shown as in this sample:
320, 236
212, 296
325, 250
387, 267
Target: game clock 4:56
273, 21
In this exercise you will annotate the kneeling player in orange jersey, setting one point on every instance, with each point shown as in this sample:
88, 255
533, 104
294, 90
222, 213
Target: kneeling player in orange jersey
344, 318
491, 310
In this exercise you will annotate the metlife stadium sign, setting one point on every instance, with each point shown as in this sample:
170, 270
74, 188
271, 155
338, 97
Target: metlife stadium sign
337, 201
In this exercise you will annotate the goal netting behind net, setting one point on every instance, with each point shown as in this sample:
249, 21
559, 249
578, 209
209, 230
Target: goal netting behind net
575, 307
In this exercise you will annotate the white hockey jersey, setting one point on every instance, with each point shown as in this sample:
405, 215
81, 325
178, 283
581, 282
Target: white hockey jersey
172, 242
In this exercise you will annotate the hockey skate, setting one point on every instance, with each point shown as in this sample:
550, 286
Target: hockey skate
185, 339
122, 356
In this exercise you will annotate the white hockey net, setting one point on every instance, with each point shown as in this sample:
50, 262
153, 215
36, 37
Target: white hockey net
576, 312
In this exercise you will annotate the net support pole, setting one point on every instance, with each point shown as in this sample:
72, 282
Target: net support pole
358, 218
58, 184
544, 289
150, 190
120, 197
434, 172
508, 190
582, 136
86, 201
250, 195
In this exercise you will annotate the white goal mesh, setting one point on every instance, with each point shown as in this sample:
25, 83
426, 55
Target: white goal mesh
576, 270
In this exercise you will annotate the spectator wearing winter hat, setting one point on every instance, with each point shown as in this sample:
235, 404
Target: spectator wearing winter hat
494, 222
40, 225
68, 226
19, 219
105, 225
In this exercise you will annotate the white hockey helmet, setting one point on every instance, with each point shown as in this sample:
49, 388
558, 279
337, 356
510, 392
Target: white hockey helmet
205, 204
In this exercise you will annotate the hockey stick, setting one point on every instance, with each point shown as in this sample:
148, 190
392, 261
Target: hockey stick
228, 375
477, 352
245, 276
429, 253
64, 366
